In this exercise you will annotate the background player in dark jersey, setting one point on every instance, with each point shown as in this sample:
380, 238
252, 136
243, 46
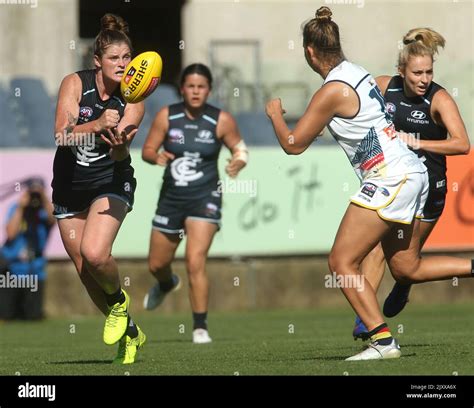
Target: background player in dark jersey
190, 134
425, 113
93, 182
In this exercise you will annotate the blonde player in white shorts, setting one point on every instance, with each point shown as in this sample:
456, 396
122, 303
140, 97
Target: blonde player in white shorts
394, 181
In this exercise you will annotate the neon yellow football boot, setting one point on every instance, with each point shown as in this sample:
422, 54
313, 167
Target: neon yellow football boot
128, 347
116, 321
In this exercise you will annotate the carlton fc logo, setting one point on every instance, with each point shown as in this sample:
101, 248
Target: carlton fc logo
183, 169
416, 114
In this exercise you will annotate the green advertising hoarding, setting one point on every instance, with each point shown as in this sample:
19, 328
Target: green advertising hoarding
278, 205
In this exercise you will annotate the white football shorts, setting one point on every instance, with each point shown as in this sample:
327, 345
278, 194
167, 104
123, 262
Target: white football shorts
395, 198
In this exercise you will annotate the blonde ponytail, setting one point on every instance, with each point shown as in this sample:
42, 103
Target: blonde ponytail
419, 42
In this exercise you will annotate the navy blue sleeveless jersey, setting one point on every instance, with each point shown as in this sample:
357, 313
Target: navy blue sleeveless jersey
89, 166
193, 172
412, 115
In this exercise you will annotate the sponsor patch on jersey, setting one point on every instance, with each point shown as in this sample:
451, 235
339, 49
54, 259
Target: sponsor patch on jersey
369, 189
85, 112
59, 209
441, 183
390, 132
384, 191
418, 117
160, 219
204, 136
176, 136
416, 114
211, 209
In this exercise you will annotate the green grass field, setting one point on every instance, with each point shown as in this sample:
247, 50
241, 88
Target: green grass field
435, 340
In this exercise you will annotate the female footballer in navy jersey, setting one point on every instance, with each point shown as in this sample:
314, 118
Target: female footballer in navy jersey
191, 134
425, 113
394, 182
93, 183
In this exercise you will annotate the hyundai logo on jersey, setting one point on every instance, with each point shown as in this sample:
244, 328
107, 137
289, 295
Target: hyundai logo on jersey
418, 114
204, 136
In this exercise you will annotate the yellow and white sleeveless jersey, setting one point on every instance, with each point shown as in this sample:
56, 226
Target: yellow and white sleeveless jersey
369, 138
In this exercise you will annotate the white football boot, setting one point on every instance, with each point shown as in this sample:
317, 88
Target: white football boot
201, 336
376, 351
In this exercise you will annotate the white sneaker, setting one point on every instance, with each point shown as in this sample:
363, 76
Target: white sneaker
201, 336
155, 295
376, 351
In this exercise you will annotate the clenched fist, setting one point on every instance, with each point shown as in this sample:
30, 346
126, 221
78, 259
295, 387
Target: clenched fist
109, 119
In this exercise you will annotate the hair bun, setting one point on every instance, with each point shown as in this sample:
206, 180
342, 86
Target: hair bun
323, 14
426, 37
112, 22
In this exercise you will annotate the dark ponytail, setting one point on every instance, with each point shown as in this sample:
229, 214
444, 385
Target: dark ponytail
322, 34
113, 30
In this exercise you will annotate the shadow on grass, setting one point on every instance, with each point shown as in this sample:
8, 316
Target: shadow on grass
187, 340
419, 345
167, 341
80, 362
342, 358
